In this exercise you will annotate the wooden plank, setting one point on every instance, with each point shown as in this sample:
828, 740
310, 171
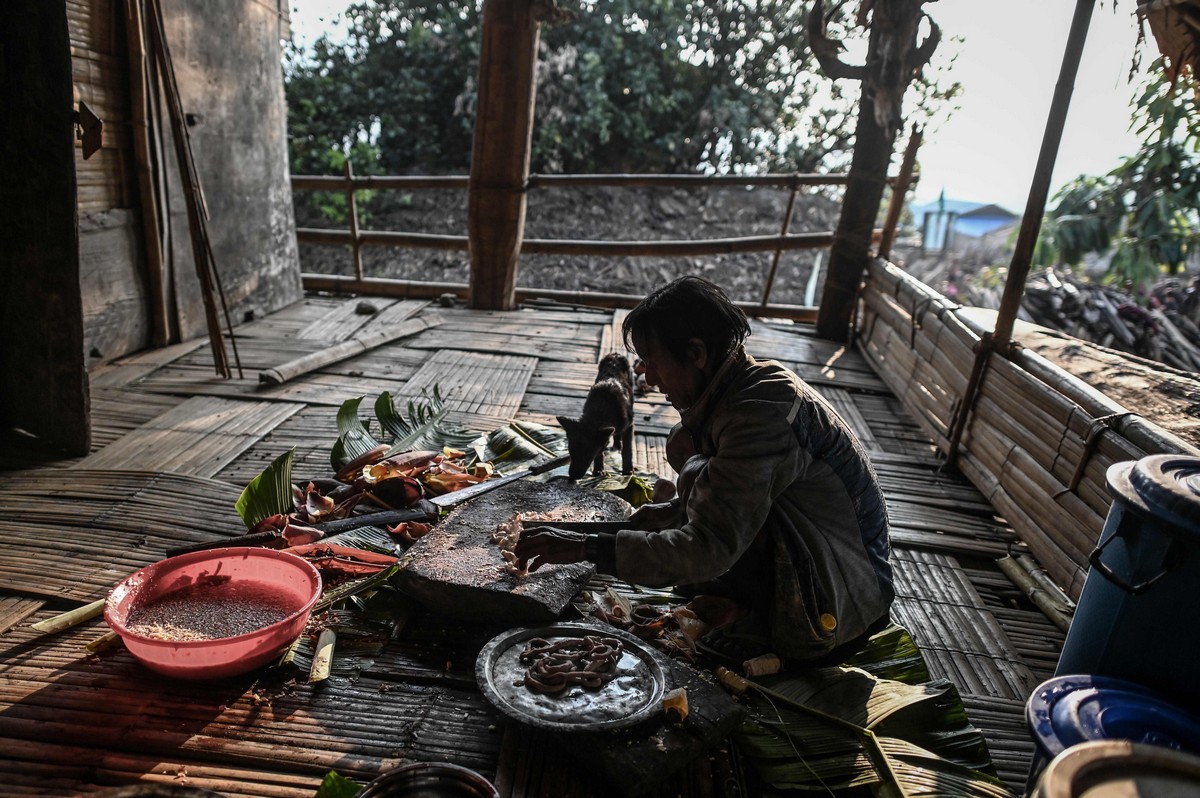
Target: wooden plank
198, 437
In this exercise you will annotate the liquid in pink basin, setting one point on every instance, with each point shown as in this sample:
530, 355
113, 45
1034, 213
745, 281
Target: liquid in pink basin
292, 579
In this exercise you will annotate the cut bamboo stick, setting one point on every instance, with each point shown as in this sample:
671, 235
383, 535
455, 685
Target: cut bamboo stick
69, 618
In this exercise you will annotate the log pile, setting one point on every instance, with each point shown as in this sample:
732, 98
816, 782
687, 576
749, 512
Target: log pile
1162, 325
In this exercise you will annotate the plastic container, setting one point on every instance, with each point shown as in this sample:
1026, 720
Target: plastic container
1138, 617
292, 581
430, 780
1119, 769
1068, 710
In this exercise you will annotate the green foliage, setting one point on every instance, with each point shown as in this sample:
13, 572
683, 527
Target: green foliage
1145, 209
335, 785
269, 493
424, 427
658, 86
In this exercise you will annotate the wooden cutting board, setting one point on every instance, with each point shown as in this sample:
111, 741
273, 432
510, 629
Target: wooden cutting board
456, 569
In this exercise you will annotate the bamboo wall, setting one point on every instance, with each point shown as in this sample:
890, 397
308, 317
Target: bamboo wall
1038, 442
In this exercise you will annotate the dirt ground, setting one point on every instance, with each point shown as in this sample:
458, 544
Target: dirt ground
1163, 395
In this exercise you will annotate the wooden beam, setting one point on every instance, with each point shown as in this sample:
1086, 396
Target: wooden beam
44, 390
500, 157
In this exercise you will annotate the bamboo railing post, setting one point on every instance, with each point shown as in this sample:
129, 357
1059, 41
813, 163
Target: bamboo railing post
352, 201
1031, 222
899, 191
787, 223
500, 154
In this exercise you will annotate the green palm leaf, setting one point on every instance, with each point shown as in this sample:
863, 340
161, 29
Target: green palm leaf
423, 427
269, 493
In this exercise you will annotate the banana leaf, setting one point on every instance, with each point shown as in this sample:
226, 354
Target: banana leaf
269, 493
519, 444
841, 728
335, 785
633, 488
423, 427
892, 654
354, 437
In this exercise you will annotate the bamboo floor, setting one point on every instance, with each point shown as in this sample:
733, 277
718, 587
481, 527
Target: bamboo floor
174, 444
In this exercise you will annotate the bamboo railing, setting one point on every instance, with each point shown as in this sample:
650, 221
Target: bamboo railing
1037, 441
355, 238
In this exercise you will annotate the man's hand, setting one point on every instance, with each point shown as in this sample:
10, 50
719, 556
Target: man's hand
539, 545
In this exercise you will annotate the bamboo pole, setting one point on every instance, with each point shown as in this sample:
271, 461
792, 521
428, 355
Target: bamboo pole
547, 246
135, 34
1035, 207
385, 182
205, 264
787, 224
379, 286
349, 348
899, 191
352, 202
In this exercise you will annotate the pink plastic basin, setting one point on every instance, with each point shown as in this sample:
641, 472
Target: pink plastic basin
292, 581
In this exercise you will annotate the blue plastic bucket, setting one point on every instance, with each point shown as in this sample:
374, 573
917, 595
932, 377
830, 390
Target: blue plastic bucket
1138, 617
1068, 710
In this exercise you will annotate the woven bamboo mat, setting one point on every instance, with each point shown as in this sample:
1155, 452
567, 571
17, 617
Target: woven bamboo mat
1002, 721
14, 609
75, 538
311, 432
481, 391
261, 725
527, 333
199, 437
116, 413
960, 637
348, 318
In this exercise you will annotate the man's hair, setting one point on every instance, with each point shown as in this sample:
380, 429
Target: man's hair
690, 307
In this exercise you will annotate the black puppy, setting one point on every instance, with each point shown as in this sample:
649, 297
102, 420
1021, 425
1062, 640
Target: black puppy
607, 412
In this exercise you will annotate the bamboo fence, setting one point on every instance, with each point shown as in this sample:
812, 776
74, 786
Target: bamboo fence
1037, 441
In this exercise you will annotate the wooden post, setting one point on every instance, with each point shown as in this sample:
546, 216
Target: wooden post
500, 156
44, 390
1035, 206
352, 203
899, 191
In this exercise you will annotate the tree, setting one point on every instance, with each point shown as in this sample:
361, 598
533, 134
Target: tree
1145, 210
663, 85
894, 60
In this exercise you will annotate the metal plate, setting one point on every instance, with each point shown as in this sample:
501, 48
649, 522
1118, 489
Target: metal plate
634, 695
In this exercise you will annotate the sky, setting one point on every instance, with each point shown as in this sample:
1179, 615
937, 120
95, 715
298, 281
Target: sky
1008, 64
